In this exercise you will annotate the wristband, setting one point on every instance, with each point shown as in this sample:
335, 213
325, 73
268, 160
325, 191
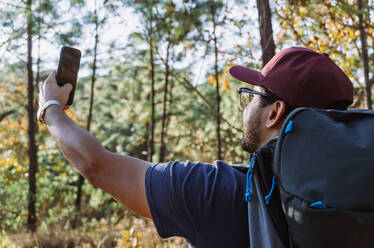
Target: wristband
44, 106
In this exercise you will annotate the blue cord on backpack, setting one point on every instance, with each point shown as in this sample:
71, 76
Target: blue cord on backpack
267, 197
248, 193
318, 205
289, 127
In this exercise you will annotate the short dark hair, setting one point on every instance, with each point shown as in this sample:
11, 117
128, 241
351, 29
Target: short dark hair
339, 105
273, 98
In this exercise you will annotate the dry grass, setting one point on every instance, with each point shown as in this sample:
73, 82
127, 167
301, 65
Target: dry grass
131, 231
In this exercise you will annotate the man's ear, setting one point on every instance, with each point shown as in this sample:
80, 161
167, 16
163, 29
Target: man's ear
275, 115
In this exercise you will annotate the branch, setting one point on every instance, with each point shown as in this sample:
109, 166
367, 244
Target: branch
184, 82
5, 114
359, 99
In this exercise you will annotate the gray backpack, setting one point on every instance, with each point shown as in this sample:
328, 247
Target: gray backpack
324, 170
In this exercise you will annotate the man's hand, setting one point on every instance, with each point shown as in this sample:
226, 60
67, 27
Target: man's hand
49, 90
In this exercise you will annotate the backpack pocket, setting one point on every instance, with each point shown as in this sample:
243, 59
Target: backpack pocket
327, 227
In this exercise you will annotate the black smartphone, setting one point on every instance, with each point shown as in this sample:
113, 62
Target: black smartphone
67, 71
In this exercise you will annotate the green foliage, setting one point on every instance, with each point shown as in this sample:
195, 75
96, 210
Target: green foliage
178, 30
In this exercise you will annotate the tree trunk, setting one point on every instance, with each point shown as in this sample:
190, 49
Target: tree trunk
37, 70
163, 133
364, 54
33, 160
151, 141
218, 98
89, 117
266, 31
169, 114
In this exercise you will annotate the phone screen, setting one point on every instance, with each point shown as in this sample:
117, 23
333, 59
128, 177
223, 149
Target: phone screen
67, 71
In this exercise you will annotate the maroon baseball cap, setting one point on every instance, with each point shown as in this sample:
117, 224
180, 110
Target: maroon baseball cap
301, 77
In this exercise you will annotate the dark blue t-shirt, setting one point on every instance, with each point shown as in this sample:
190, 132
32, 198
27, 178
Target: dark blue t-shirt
203, 203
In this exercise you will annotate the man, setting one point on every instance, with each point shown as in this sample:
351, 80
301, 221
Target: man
205, 203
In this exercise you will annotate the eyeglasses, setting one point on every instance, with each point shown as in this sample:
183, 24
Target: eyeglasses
247, 94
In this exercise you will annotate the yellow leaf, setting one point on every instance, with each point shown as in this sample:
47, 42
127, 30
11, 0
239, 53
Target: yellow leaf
211, 79
226, 84
296, 24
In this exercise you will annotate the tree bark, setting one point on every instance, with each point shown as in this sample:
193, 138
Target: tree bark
218, 98
153, 92
169, 114
33, 159
266, 31
164, 109
364, 54
38, 69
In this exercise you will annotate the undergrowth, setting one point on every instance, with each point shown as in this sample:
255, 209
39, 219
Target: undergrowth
130, 231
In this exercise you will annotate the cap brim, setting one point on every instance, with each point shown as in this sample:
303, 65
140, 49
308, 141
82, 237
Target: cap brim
246, 75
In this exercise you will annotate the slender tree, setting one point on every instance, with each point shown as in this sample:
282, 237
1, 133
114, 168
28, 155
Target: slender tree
216, 75
33, 159
364, 52
266, 30
151, 145
164, 107
37, 79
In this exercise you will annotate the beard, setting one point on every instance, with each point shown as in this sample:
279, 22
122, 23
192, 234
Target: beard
250, 141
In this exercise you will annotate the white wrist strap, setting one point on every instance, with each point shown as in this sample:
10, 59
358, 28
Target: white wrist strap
44, 106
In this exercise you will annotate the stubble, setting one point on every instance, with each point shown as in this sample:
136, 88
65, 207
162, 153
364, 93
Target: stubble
250, 141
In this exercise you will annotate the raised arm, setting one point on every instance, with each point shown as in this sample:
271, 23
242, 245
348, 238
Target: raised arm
121, 176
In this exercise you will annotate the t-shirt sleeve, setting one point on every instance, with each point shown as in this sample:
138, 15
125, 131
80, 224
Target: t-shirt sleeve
184, 197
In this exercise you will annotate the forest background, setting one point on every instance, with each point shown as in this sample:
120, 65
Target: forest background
153, 84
